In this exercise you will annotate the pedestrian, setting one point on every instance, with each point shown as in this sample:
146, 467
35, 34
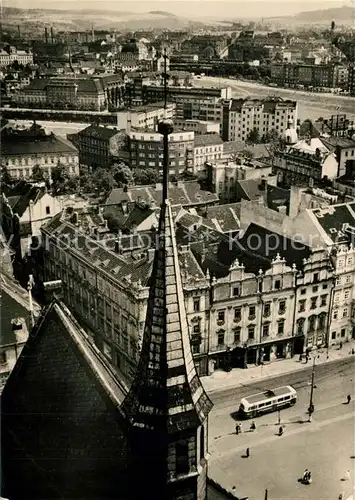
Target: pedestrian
301, 356
348, 398
247, 453
252, 426
307, 358
281, 430
340, 345
237, 429
341, 496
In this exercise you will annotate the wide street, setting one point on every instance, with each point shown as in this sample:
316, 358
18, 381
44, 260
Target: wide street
325, 446
310, 105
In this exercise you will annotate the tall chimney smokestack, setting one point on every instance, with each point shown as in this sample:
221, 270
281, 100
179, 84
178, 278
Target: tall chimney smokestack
19, 31
93, 33
46, 34
52, 35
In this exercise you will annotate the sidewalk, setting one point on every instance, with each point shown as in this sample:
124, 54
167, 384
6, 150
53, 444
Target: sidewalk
221, 380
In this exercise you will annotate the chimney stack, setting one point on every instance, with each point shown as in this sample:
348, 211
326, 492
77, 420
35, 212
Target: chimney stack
19, 31
46, 35
52, 35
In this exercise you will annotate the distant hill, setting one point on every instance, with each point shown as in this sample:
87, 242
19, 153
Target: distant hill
73, 20
343, 15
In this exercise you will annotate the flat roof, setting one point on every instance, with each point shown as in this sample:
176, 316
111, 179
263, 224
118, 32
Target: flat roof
279, 391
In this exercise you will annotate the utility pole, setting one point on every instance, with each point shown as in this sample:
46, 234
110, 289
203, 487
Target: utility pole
311, 405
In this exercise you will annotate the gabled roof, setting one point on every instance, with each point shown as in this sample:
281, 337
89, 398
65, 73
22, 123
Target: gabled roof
224, 218
64, 388
50, 144
19, 204
97, 131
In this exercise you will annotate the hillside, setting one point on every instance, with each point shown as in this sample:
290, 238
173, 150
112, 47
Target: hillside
73, 20
344, 13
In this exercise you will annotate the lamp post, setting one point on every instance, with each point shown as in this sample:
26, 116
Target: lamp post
311, 405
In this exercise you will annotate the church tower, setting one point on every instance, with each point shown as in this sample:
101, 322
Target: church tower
167, 407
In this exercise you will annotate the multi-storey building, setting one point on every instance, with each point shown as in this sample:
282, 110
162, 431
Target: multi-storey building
351, 80
20, 155
98, 145
207, 148
240, 117
75, 91
307, 75
342, 321
205, 46
305, 163
146, 116
146, 150
10, 54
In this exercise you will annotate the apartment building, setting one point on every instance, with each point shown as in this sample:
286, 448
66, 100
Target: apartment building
207, 148
97, 145
10, 54
146, 117
240, 117
199, 127
146, 150
307, 75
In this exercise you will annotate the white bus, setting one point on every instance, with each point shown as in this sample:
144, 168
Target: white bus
267, 401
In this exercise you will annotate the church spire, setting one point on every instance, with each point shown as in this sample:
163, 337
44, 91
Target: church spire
167, 407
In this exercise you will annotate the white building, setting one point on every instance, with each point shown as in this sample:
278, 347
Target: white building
145, 117
207, 148
11, 54
242, 116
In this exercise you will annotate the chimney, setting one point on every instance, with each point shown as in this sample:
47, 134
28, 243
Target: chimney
52, 35
46, 35
282, 209
263, 184
19, 31
93, 33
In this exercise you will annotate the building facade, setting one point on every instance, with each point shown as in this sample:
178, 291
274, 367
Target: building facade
146, 117
10, 54
240, 117
207, 148
146, 150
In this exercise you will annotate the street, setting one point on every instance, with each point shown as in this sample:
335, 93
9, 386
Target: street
325, 446
310, 105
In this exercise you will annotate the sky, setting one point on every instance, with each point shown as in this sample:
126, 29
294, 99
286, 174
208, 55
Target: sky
188, 8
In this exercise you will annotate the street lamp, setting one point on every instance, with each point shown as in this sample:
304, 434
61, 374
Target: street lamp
311, 405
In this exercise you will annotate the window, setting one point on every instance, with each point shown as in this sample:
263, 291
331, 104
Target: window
221, 316
236, 291
267, 309
202, 443
266, 329
323, 300
348, 279
303, 291
182, 458
277, 285
334, 334
313, 302
346, 294
251, 312
196, 348
237, 314
237, 335
338, 281
335, 315
301, 305
315, 289
300, 325
315, 277
325, 286
281, 327
282, 306
251, 332
48, 210
196, 305
220, 338
312, 324
345, 312
342, 332
197, 328
3, 358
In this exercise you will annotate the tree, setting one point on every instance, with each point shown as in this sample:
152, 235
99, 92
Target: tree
145, 176
37, 173
103, 180
59, 178
5, 176
253, 136
122, 174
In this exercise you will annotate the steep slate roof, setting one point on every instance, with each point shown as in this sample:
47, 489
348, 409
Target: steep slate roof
66, 392
185, 194
19, 204
51, 144
267, 244
166, 344
225, 218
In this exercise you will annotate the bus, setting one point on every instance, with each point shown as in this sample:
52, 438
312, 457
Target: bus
268, 401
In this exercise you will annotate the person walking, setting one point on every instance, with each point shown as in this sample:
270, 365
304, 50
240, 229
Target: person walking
247, 453
348, 399
237, 429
